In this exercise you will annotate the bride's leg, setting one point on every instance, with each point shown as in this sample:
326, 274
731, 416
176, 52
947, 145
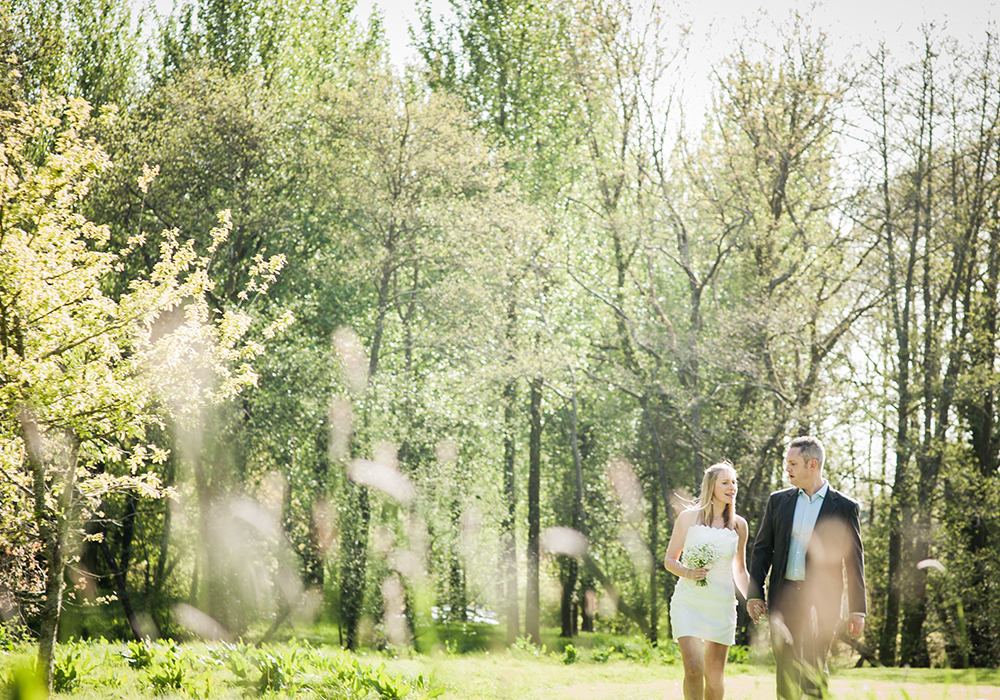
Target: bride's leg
693, 654
715, 670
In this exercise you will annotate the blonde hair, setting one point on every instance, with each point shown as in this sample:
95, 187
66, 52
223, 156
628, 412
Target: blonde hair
704, 503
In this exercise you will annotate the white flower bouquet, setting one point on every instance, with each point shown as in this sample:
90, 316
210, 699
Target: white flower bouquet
701, 556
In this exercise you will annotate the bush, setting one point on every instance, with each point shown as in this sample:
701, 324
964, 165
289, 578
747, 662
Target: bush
523, 646
635, 649
739, 654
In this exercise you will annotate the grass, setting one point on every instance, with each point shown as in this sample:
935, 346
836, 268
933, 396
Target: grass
591, 667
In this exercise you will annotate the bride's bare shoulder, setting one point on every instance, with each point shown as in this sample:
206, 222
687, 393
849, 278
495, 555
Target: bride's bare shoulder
687, 517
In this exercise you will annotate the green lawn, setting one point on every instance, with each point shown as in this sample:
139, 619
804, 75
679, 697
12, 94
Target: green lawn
503, 677
602, 668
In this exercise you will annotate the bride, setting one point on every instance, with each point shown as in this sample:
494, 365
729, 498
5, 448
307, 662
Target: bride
707, 551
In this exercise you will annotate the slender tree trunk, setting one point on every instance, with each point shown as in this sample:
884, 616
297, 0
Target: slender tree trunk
579, 510
507, 525
654, 570
119, 571
531, 612
901, 509
569, 570
355, 522
663, 479
458, 598
586, 615
354, 563
161, 571
55, 528
118, 575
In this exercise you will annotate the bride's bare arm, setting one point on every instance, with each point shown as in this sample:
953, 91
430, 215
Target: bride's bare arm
740, 574
672, 559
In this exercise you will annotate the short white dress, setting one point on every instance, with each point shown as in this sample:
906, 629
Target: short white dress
707, 612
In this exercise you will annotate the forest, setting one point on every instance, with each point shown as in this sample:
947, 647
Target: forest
289, 334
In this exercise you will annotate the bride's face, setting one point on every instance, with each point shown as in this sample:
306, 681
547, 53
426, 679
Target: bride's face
726, 487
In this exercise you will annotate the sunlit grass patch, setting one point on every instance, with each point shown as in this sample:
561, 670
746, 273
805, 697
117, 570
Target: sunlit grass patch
599, 667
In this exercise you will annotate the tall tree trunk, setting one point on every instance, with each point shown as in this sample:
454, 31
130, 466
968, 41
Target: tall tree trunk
531, 611
507, 524
913, 642
55, 527
901, 509
568, 575
654, 547
162, 570
457, 596
119, 571
580, 513
354, 525
118, 575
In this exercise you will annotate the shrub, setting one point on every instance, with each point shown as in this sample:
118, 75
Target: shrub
524, 646
739, 654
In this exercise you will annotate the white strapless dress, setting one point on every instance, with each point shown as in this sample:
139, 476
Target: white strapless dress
707, 612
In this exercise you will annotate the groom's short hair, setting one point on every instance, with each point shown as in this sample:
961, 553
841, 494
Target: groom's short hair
810, 448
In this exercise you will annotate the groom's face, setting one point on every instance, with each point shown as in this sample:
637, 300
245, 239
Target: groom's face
799, 473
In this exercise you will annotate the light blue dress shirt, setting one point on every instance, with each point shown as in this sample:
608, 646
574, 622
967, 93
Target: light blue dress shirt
803, 523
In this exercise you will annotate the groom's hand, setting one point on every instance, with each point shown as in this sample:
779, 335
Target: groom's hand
857, 625
756, 608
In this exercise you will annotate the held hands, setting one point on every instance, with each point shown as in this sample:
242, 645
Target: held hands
857, 625
756, 609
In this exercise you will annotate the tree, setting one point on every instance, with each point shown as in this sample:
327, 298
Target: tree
33, 44
934, 194
76, 390
506, 59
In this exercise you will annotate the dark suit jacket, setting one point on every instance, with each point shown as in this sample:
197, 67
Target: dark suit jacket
834, 550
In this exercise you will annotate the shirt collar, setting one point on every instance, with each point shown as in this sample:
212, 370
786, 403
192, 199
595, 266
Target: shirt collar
821, 493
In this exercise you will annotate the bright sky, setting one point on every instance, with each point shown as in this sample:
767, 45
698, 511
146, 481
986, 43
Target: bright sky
715, 22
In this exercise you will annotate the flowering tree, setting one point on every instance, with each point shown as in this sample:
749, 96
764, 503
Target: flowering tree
76, 365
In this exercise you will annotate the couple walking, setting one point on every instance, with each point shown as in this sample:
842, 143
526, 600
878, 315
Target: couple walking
808, 538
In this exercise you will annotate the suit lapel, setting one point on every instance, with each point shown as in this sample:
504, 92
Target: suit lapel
786, 517
829, 506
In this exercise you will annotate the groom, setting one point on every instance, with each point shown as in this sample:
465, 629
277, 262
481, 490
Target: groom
809, 537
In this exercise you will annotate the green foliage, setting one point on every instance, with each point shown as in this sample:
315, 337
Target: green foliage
739, 654
362, 679
11, 635
516, 210
23, 682
635, 649
600, 655
279, 670
33, 43
273, 674
139, 655
74, 663
169, 671
523, 646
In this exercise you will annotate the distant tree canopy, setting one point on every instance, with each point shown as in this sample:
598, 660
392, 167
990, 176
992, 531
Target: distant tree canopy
528, 301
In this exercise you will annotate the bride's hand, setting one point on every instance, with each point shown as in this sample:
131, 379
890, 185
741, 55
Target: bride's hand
696, 574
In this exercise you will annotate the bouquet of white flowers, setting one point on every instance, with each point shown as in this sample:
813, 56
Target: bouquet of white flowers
701, 556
